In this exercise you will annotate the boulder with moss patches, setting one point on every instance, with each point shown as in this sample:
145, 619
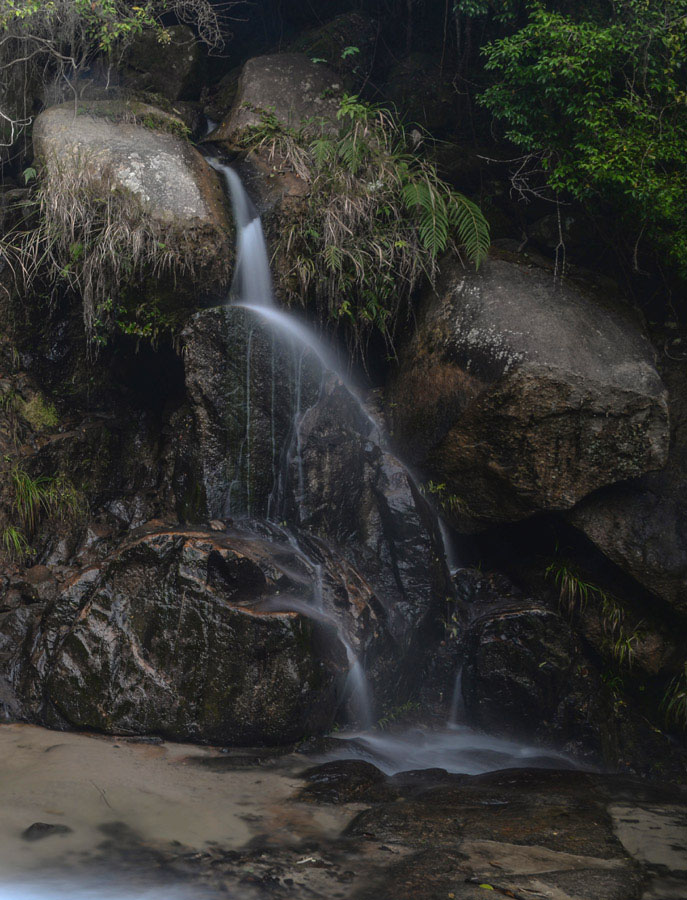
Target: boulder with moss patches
288, 86
519, 393
142, 151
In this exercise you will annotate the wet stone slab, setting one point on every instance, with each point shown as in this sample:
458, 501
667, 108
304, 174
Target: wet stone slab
162, 820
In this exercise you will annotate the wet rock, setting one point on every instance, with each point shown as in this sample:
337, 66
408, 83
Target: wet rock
520, 833
523, 669
521, 394
40, 830
169, 636
526, 675
169, 69
287, 85
345, 781
277, 436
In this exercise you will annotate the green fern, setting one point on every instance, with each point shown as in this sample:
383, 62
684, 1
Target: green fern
374, 222
473, 229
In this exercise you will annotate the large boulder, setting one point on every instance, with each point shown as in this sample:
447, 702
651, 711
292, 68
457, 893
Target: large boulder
521, 393
642, 524
527, 674
288, 86
141, 150
184, 634
277, 435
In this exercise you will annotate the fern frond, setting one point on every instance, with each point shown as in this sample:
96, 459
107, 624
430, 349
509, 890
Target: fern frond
473, 229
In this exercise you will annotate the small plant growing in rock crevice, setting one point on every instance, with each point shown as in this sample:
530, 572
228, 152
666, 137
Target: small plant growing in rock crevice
674, 703
575, 593
28, 500
375, 220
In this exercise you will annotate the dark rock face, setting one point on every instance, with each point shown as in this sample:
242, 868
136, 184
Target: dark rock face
291, 443
520, 833
287, 85
170, 636
523, 395
641, 525
527, 675
166, 69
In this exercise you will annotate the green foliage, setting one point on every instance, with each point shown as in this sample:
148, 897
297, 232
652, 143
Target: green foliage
575, 593
599, 101
53, 40
13, 543
39, 413
376, 218
27, 500
450, 503
573, 590
674, 703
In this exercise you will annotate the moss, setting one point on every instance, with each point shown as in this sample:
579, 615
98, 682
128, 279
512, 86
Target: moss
136, 112
39, 413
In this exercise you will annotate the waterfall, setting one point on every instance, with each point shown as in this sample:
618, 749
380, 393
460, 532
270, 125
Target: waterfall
251, 290
252, 283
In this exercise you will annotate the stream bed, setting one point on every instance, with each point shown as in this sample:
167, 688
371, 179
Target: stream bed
86, 816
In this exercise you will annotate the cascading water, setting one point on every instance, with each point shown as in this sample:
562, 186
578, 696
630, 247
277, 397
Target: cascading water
252, 290
456, 747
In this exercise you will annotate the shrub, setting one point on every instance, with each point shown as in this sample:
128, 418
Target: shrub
596, 102
375, 220
53, 40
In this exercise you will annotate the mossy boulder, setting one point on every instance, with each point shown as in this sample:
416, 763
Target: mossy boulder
139, 154
521, 393
288, 86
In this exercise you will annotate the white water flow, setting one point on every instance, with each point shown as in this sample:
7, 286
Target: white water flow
252, 290
252, 282
455, 747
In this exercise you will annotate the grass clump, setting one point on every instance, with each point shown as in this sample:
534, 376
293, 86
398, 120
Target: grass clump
82, 232
575, 593
28, 501
674, 703
376, 218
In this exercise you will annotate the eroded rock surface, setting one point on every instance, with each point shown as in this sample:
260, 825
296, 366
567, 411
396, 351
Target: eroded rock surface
172, 634
520, 393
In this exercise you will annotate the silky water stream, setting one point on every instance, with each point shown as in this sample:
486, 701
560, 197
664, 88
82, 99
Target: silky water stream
455, 747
